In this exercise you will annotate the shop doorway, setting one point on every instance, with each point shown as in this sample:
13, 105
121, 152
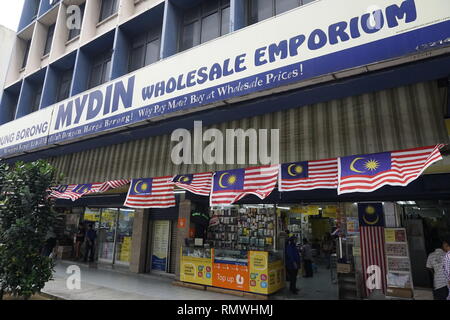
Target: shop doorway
114, 233
427, 224
162, 247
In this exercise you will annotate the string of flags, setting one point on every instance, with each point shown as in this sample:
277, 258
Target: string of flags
359, 173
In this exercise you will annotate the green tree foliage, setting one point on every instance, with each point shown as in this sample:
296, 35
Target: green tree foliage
26, 217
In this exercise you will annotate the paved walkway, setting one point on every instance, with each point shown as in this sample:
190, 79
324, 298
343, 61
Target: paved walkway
101, 284
118, 284
319, 287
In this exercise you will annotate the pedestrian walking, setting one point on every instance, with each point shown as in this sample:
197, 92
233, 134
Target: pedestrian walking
91, 236
435, 263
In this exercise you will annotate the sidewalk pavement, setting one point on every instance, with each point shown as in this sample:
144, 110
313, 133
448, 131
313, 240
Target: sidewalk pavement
103, 284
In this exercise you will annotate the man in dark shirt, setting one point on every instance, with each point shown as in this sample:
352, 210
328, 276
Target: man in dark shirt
292, 263
91, 236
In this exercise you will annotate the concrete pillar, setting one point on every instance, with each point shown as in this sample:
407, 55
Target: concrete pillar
139, 241
183, 233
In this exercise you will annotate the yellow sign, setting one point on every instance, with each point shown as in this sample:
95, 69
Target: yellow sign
312, 210
125, 249
329, 212
196, 270
389, 235
91, 216
265, 278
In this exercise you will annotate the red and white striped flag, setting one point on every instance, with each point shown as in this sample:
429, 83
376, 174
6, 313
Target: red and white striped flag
308, 175
232, 185
371, 222
373, 254
366, 173
151, 193
113, 184
76, 191
198, 183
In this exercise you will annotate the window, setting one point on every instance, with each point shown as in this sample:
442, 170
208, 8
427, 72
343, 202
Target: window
48, 42
65, 81
25, 56
76, 32
205, 22
35, 10
36, 99
14, 104
145, 50
262, 9
100, 70
109, 7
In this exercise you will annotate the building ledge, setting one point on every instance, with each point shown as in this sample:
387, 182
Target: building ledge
76, 38
111, 17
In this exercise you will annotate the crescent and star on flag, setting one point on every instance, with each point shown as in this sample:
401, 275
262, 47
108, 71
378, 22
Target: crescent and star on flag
230, 180
141, 186
294, 169
369, 214
369, 164
182, 179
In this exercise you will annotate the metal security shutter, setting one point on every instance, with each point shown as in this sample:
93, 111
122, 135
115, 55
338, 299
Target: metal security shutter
398, 118
173, 246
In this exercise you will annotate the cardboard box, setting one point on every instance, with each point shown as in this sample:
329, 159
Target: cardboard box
400, 292
344, 268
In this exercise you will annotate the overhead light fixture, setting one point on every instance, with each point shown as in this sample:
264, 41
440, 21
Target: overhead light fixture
401, 203
411, 202
284, 208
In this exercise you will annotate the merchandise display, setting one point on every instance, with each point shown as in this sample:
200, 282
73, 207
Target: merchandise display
242, 228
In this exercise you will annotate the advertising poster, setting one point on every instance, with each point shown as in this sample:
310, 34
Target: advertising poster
196, 270
352, 225
160, 246
259, 276
265, 278
231, 276
125, 249
399, 277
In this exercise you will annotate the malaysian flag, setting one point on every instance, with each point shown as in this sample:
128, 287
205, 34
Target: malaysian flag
308, 175
198, 183
151, 193
371, 221
76, 191
232, 185
366, 173
113, 184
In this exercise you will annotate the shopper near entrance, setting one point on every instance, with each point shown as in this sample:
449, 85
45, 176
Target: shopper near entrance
307, 258
79, 239
327, 248
91, 236
292, 263
446, 265
434, 264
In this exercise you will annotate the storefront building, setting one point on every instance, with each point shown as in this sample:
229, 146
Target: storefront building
335, 78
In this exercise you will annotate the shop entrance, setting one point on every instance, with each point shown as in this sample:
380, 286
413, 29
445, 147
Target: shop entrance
313, 226
114, 228
162, 246
427, 224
